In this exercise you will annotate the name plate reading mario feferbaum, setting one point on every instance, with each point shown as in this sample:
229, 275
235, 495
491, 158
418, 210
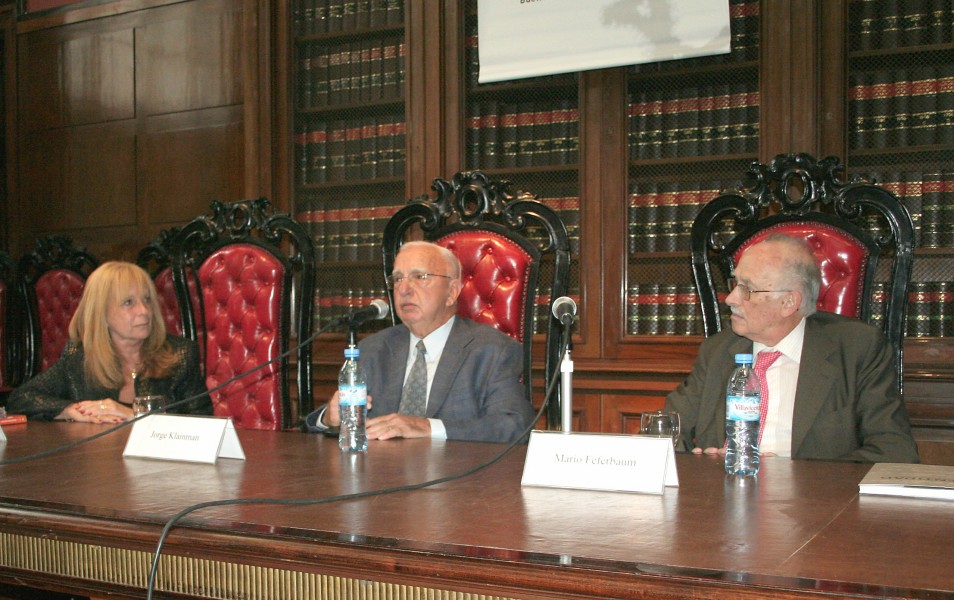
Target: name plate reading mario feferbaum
185, 438
599, 461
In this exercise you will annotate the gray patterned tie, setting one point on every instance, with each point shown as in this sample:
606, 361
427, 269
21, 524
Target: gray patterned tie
414, 396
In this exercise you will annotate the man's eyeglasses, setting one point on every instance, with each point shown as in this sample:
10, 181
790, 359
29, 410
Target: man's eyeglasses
414, 278
745, 292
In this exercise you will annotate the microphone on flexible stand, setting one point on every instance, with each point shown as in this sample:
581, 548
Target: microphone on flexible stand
564, 310
377, 309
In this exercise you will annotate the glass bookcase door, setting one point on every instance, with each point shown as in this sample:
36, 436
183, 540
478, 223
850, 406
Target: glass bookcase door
901, 136
693, 129
350, 139
526, 131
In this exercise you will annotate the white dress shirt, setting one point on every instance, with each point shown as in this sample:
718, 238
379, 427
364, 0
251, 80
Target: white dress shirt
434, 343
782, 380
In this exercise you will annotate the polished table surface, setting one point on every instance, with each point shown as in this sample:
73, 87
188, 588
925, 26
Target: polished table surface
799, 529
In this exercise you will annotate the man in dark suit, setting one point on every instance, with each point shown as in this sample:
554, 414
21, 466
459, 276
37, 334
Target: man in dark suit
832, 391
462, 383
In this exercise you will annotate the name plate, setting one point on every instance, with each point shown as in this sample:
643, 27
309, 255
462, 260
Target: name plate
600, 461
184, 438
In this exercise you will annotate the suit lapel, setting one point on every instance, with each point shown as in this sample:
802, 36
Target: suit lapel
452, 358
816, 375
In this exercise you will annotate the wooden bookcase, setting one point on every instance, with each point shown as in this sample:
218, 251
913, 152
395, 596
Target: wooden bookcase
629, 154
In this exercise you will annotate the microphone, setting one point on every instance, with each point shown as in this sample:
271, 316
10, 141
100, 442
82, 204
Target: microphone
378, 309
564, 309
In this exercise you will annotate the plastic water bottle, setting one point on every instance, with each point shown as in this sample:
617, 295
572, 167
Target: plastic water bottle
742, 419
353, 403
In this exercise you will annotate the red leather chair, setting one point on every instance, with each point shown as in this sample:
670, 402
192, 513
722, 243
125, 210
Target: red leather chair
851, 227
514, 253
254, 302
156, 259
52, 277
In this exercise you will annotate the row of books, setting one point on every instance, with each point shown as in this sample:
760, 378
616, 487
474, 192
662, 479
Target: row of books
929, 197
346, 230
700, 121
672, 309
310, 17
502, 134
879, 24
663, 309
661, 212
366, 148
333, 302
930, 310
902, 107
352, 229
351, 72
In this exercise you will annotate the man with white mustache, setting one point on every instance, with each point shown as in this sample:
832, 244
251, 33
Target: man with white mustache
832, 391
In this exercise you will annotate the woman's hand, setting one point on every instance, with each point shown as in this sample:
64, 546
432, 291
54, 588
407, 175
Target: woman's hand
97, 411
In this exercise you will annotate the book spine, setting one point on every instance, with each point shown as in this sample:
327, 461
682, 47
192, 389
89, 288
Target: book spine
376, 71
919, 311
632, 309
377, 16
369, 148
301, 156
542, 136
400, 144
385, 141
945, 104
362, 14
509, 146
335, 14
931, 199
909, 191
395, 12
353, 151
572, 144
349, 11
489, 135
317, 151
472, 136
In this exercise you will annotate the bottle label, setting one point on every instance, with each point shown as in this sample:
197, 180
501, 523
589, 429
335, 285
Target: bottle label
352, 395
742, 408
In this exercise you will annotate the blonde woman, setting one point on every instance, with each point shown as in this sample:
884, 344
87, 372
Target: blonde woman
118, 349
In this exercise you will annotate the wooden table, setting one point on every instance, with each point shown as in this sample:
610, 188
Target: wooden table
87, 520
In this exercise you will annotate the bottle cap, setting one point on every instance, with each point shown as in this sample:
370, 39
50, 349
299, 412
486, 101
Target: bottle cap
354, 353
743, 358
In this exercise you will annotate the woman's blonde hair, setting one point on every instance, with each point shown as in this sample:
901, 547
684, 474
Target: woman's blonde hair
103, 289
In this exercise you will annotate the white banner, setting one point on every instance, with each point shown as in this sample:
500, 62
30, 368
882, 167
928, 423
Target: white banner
527, 38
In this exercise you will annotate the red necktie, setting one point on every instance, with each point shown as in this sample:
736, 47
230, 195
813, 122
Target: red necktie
762, 363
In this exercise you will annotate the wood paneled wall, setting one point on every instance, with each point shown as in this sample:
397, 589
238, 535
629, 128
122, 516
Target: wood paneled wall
134, 123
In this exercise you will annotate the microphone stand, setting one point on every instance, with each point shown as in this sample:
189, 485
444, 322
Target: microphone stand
566, 378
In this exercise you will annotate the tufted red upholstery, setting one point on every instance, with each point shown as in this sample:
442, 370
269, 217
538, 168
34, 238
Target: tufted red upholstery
58, 293
166, 290
842, 259
495, 272
241, 290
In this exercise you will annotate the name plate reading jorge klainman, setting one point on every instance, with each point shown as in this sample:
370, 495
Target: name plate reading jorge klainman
600, 461
185, 438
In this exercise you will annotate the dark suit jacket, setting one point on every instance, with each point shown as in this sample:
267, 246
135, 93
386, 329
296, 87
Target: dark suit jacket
477, 391
847, 405
46, 395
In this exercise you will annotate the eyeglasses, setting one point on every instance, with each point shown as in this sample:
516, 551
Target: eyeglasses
415, 278
745, 292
